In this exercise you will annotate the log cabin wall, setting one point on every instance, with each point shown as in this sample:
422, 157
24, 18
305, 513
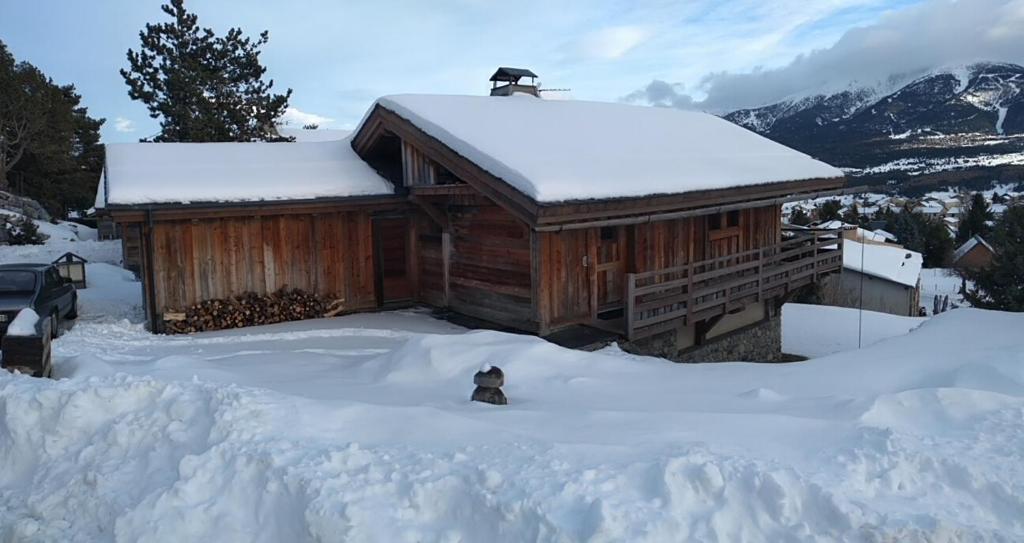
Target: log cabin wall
569, 272
489, 266
430, 262
202, 259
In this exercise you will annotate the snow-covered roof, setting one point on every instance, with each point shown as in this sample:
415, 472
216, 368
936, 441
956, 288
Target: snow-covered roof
891, 263
558, 150
885, 234
303, 135
146, 173
970, 244
879, 236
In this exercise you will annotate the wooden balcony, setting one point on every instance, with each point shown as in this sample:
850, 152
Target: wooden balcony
656, 300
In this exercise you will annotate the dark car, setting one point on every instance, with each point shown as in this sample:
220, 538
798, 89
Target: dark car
40, 287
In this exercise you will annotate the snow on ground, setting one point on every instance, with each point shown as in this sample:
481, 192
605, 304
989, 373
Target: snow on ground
359, 428
61, 230
64, 237
814, 330
941, 282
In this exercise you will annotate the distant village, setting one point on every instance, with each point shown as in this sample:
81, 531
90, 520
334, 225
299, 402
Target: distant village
882, 272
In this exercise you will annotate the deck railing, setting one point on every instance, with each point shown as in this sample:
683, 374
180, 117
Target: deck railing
655, 300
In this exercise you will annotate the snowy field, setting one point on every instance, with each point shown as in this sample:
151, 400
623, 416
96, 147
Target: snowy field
813, 330
64, 237
359, 428
941, 282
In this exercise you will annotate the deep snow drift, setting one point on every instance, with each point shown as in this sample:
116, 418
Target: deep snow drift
359, 428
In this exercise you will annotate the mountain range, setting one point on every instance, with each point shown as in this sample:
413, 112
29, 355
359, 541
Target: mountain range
960, 122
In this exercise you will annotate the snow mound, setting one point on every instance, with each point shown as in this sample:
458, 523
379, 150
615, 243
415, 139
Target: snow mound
360, 428
24, 324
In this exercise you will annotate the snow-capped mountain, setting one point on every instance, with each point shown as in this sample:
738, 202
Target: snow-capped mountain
956, 118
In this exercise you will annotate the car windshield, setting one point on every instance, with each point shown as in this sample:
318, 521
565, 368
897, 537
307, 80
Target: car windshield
17, 281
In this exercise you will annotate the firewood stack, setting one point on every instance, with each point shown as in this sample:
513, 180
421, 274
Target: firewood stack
251, 309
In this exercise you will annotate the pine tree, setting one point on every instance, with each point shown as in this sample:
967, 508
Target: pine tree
926, 236
46, 138
799, 217
830, 210
1001, 285
975, 221
31, 113
852, 215
201, 86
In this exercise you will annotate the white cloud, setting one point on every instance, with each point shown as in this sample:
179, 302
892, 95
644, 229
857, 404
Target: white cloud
612, 42
124, 125
901, 43
295, 116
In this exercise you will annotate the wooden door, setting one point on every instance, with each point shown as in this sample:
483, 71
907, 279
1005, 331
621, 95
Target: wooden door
566, 277
391, 256
610, 267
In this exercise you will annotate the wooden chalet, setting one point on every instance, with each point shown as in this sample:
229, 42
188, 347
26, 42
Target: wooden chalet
467, 204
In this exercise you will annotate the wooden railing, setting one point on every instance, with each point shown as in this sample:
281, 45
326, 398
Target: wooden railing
655, 300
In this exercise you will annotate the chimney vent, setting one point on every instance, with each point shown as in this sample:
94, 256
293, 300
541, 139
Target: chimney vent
506, 82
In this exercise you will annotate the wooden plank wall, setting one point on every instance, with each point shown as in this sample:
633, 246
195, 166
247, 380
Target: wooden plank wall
489, 270
667, 244
131, 247
328, 253
416, 167
429, 260
564, 292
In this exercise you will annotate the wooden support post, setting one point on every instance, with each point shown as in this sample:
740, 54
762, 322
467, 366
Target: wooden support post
446, 260
630, 304
689, 292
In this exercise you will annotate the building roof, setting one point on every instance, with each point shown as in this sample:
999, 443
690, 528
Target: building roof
885, 262
511, 75
303, 135
181, 173
969, 245
564, 150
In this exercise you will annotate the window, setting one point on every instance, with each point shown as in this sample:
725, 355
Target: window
715, 222
17, 281
720, 221
732, 218
607, 233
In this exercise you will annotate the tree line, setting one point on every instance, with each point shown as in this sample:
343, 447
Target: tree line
49, 144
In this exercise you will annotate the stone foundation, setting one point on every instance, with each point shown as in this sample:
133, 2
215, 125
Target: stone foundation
758, 342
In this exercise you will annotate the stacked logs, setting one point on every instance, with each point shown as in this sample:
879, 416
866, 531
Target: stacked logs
251, 309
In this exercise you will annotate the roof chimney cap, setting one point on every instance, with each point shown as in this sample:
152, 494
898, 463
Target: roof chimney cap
511, 75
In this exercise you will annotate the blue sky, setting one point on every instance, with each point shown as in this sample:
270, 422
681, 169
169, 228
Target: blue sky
339, 56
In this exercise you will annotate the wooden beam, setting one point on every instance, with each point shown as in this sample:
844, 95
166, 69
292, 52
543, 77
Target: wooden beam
446, 264
642, 219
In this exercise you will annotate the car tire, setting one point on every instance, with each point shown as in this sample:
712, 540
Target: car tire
73, 312
54, 325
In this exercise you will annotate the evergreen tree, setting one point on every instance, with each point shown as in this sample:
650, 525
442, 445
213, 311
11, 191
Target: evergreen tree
32, 115
201, 86
48, 142
799, 217
1001, 285
852, 215
829, 210
926, 236
975, 221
